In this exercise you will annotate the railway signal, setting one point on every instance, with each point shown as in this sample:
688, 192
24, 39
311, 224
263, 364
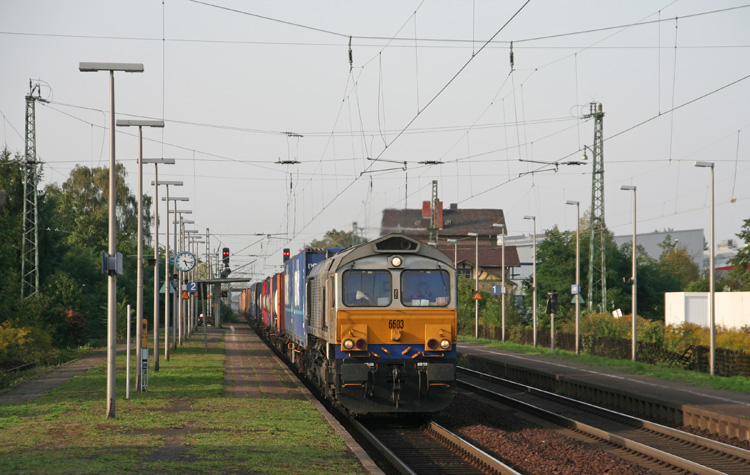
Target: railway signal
552, 310
225, 256
552, 301
286, 254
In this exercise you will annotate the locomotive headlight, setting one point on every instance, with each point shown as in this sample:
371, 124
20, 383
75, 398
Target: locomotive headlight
396, 261
445, 344
348, 344
432, 344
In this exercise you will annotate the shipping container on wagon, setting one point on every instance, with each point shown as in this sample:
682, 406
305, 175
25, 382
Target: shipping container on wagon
265, 301
278, 302
271, 304
244, 306
296, 270
255, 294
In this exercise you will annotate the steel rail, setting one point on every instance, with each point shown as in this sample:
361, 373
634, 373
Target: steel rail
478, 455
644, 449
397, 463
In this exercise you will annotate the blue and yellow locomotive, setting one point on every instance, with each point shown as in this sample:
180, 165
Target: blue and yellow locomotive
375, 328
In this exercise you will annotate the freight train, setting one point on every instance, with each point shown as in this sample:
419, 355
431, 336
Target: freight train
372, 326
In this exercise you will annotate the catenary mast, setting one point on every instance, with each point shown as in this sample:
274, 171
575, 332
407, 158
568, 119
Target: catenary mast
30, 246
597, 259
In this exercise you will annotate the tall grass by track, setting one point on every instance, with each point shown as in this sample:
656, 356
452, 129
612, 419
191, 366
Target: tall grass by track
735, 383
183, 424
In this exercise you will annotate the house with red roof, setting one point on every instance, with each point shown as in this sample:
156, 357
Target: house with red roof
452, 229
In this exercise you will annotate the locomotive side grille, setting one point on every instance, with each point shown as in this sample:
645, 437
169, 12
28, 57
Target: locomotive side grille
316, 301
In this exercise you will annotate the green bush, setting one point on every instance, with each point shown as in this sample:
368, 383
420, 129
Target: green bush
22, 344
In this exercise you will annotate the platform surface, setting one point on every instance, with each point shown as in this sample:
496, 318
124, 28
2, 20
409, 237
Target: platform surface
731, 403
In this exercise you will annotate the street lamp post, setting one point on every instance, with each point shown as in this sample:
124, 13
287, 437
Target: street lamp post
533, 263
139, 279
194, 321
578, 271
711, 290
156, 162
167, 278
455, 251
502, 278
476, 284
112, 248
633, 284
188, 325
186, 277
177, 329
167, 284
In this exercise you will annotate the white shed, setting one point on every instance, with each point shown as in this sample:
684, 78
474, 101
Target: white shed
732, 308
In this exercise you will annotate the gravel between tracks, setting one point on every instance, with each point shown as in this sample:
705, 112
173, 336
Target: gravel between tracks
528, 448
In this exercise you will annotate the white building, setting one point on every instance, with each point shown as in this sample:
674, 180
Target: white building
732, 309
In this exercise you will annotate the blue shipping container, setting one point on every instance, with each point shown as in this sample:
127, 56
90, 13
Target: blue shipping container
296, 270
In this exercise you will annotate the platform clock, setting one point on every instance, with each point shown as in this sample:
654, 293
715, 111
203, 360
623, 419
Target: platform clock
185, 261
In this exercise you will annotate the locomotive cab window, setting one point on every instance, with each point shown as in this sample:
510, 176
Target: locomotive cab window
425, 288
366, 288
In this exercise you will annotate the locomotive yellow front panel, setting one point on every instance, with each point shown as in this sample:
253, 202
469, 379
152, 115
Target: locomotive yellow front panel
398, 326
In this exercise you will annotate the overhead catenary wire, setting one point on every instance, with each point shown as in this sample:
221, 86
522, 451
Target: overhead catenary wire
453, 78
468, 41
624, 131
360, 135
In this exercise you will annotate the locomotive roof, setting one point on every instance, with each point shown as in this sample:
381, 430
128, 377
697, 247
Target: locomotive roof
392, 244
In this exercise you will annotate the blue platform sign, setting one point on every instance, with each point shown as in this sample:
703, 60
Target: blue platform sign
192, 287
497, 290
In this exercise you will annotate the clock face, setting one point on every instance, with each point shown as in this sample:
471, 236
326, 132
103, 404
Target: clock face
185, 261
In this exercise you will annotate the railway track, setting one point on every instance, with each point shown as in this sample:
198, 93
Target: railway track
673, 450
427, 448
412, 446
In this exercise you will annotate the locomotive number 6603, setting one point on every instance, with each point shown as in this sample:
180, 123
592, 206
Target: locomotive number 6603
396, 324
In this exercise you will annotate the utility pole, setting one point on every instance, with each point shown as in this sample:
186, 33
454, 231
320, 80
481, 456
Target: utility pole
30, 247
206, 303
597, 273
434, 214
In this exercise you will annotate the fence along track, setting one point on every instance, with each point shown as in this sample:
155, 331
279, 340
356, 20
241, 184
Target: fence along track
695, 358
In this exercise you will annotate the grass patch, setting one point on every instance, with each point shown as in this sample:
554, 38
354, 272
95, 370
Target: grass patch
735, 383
182, 425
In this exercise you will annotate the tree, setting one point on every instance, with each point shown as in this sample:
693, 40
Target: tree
334, 238
556, 270
739, 276
73, 232
676, 264
11, 232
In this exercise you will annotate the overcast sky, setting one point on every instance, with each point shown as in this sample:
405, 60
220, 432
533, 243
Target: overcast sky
242, 85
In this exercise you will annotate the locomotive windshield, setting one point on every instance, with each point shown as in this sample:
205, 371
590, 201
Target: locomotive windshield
423, 288
367, 288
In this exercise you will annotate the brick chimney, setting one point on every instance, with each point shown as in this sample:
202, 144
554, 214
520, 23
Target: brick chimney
426, 213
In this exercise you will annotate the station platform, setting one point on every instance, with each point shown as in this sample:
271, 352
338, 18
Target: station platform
668, 402
252, 370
